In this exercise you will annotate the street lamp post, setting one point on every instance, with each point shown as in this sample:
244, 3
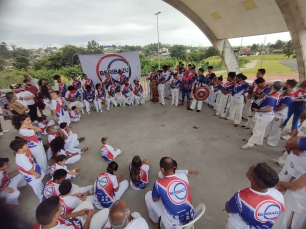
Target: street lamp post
158, 40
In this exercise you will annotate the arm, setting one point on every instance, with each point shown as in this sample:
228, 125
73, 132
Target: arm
299, 100
294, 185
227, 208
29, 97
193, 172
54, 114
33, 172
35, 128
146, 161
267, 109
75, 214
280, 108
20, 109
260, 96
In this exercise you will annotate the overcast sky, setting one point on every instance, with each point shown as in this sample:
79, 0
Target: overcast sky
41, 23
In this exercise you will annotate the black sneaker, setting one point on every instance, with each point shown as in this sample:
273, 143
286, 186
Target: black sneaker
188, 108
243, 126
81, 139
198, 110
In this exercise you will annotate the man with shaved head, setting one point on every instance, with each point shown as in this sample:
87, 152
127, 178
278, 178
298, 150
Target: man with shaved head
120, 217
170, 198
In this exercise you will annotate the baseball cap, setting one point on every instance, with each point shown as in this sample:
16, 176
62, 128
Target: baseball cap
15, 86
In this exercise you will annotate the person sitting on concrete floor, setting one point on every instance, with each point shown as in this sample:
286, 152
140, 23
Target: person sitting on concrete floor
60, 162
71, 139
139, 95
90, 99
300, 133
264, 115
73, 98
107, 187
74, 114
108, 152
127, 92
258, 206
49, 211
114, 94
170, 198
295, 201
121, 217
139, 173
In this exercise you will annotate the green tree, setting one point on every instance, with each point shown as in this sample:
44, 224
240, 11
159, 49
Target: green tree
178, 51
255, 47
3, 46
288, 50
278, 45
20, 62
211, 51
93, 47
21, 52
3, 63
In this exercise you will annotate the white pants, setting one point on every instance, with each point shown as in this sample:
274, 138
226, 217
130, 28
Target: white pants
224, 102
16, 182
217, 102
211, 97
274, 132
73, 140
258, 132
167, 89
140, 99
75, 119
123, 186
38, 188
282, 160
49, 153
129, 99
247, 109
175, 98
194, 102
298, 220
66, 117
99, 102
78, 104
235, 109
40, 156
87, 105
161, 96
117, 152
77, 189
73, 159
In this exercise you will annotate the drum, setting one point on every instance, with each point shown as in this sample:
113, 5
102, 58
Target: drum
154, 91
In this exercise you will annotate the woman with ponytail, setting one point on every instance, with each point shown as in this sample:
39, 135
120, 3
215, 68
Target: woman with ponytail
29, 132
139, 173
107, 187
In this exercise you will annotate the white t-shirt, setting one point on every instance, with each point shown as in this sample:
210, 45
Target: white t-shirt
49, 104
25, 163
144, 178
296, 165
296, 200
4, 179
71, 223
73, 114
29, 134
69, 203
137, 223
55, 167
26, 93
50, 138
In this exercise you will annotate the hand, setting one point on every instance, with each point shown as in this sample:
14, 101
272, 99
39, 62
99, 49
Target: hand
80, 195
196, 173
255, 110
90, 213
120, 178
115, 149
280, 188
84, 211
145, 161
77, 169
57, 119
296, 152
10, 190
37, 175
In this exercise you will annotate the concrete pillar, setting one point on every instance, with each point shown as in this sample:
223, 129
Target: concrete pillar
222, 46
294, 20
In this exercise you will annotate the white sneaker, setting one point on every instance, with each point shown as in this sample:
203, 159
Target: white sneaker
246, 146
88, 112
1, 133
5, 131
107, 108
101, 111
172, 104
97, 111
286, 137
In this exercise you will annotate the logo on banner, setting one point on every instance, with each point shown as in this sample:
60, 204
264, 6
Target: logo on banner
109, 63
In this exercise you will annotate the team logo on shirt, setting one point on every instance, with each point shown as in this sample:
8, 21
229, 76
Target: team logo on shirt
177, 192
63, 209
101, 183
48, 192
291, 164
267, 210
104, 152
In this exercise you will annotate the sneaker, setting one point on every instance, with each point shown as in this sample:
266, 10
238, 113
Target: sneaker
81, 139
1, 133
274, 161
198, 110
172, 104
246, 146
107, 108
258, 145
97, 111
101, 111
88, 112
121, 151
188, 108
5, 131
286, 137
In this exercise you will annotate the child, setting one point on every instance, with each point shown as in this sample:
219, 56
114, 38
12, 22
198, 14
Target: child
70, 201
139, 173
108, 152
57, 110
115, 94
57, 148
211, 84
199, 81
186, 88
139, 94
161, 87
65, 108
89, 99
101, 97
42, 124
175, 87
74, 114
60, 162
186, 172
52, 186
107, 187
217, 93
29, 132
70, 138
127, 92
9, 186
28, 166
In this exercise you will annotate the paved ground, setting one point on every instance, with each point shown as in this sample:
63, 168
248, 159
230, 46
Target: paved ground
153, 131
291, 63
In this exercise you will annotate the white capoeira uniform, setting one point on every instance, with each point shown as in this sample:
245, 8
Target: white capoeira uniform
72, 138
74, 117
70, 160
225, 100
109, 153
167, 83
161, 88
26, 162
180, 76
59, 112
199, 82
175, 88
128, 91
217, 96
73, 95
115, 97
139, 95
102, 94
90, 97
66, 116
36, 147
56, 166
14, 183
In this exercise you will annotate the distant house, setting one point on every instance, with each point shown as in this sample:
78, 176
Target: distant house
277, 51
165, 55
109, 48
163, 50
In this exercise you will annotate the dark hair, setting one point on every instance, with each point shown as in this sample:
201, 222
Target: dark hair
25, 80
16, 121
17, 144
174, 165
57, 144
97, 85
44, 91
73, 107
47, 209
210, 67
166, 163
60, 158
42, 118
262, 71
57, 92
59, 174
63, 125
265, 176
153, 67
212, 76
119, 70
231, 74
71, 88
260, 80
160, 71
201, 70
72, 76
241, 76
88, 87
165, 67
40, 82
55, 77
135, 170
65, 187
113, 166
220, 78
193, 68
180, 62
84, 74
292, 83
3, 160
277, 85
189, 65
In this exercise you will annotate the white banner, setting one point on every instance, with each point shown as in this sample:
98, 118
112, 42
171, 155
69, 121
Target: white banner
95, 65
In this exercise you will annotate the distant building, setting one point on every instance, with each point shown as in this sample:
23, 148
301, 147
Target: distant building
277, 51
109, 48
162, 50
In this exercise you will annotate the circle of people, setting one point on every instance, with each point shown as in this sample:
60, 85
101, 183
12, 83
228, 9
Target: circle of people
66, 205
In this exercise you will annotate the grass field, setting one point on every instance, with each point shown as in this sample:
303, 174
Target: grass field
273, 67
278, 56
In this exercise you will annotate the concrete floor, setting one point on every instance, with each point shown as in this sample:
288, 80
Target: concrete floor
153, 131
